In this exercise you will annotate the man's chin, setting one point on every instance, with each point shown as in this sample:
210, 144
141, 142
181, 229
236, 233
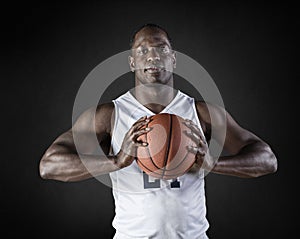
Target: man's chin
156, 81
159, 79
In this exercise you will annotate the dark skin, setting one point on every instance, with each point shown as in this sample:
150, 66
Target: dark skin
152, 60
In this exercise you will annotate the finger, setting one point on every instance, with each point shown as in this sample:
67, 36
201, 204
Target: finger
137, 134
195, 129
196, 150
142, 119
191, 125
194, 137
140, 144
198, 140
139, 124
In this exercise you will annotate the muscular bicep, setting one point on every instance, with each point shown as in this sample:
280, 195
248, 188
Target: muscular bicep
76, 140
237, 137
63, 144
93, 129
221, 126
90, 130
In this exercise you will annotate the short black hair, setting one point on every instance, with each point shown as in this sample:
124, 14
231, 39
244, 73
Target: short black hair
151, 25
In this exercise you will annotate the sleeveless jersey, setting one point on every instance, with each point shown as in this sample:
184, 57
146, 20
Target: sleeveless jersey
146, 207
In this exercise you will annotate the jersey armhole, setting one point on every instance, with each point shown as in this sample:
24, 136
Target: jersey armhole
114, 126
196, 115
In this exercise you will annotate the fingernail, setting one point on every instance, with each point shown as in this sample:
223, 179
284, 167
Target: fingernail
145, 144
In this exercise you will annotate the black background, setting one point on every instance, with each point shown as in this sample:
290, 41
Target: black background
49, 49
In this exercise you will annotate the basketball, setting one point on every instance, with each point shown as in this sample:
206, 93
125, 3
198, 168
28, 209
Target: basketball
166, 156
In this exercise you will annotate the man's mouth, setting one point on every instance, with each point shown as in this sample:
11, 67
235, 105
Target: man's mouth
153, 69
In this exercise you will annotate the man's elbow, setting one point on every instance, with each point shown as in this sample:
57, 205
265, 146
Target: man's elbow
43, 172
270, 164
45, 167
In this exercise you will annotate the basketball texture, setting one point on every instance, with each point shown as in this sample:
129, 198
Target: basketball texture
166, 156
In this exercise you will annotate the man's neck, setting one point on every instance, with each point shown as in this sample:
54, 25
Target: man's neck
155, 97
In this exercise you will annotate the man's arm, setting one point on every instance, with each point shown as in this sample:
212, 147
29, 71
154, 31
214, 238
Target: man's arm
249, 156
66, 161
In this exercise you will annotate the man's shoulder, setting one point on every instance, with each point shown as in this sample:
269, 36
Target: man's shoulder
105, 109
201, 106
207, 111
103, 117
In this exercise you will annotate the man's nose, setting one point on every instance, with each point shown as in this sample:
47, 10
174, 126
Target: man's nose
153, 55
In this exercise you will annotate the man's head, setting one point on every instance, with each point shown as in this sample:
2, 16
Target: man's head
152, 57
151, 26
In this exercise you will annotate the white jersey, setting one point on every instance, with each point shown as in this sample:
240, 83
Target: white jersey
146, 207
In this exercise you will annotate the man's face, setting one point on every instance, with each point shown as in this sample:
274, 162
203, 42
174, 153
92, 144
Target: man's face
152, 57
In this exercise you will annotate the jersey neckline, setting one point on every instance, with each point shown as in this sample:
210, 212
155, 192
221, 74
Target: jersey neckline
130, 95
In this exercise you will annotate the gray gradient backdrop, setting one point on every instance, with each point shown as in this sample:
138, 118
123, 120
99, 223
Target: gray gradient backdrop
49, 49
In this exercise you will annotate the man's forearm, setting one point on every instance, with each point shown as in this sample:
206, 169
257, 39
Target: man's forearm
255, 159
71, 167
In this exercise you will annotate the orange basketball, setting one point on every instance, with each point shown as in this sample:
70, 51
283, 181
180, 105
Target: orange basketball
166, 156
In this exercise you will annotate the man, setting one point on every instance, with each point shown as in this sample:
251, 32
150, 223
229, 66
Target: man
146, 207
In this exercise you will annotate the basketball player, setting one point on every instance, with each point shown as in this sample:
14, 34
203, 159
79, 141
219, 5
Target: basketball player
147, 207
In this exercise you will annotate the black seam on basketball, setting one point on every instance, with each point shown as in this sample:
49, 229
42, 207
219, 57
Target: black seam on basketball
168, 145
148, 150
179, 163
159, 174
172, 176
149, 153
154, 172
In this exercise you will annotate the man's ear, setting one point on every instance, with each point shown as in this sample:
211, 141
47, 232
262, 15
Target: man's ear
174, 59
131, 63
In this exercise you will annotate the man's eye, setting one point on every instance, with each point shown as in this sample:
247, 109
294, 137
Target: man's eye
142, 51
164, 49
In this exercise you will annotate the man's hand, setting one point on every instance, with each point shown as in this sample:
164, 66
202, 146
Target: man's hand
130, 143
201, 151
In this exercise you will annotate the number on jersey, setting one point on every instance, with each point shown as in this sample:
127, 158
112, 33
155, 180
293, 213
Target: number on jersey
156, 182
